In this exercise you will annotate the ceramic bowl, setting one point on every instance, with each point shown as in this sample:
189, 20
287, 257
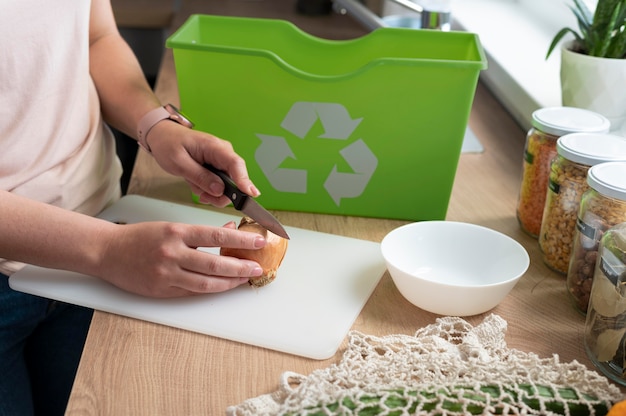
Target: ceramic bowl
453, 268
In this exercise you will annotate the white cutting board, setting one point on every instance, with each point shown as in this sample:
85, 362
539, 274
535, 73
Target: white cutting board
321, 287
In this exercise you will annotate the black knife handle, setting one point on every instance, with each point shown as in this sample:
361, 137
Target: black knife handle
230, 189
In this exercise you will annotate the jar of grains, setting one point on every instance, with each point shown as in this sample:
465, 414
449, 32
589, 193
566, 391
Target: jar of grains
601, 207
576, 153
548, 124
606, 317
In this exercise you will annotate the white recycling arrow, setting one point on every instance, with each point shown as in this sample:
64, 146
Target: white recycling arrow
272, 151
334, 117
337, 124
351, 185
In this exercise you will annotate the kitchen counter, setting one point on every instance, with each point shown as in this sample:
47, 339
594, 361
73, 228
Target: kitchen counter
140, 368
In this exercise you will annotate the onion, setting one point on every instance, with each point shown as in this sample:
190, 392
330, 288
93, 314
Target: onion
269, 257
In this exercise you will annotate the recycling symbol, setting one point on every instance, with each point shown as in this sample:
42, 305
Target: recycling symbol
337, 124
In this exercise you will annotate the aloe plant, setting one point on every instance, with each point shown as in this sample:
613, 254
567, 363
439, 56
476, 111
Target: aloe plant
602, 33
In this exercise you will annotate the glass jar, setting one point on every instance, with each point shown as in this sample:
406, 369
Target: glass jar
576, 153
548, 124
601, 207
606, 316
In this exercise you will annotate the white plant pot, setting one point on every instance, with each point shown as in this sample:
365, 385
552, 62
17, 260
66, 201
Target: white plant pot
596, 84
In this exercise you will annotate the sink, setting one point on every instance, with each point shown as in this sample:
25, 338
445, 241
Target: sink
400, 20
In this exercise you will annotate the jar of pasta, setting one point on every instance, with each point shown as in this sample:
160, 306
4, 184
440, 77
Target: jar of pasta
576, 153
606, 317
548, 124
601, 207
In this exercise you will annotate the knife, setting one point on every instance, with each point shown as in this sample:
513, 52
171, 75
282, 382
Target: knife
246, 204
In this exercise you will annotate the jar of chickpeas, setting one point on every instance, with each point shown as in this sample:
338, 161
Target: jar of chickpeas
602, 206
548, 124
576, 153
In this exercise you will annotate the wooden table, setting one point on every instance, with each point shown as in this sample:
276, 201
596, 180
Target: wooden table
132, 367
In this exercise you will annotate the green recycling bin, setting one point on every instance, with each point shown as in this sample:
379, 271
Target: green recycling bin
371, 126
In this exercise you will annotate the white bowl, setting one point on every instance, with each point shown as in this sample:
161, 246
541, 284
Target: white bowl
453, 268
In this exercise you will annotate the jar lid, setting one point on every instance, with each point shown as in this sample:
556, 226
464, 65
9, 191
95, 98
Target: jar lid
592, 148
563, 120
609, 179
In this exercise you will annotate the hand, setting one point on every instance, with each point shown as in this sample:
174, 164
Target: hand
182, 152
160, 259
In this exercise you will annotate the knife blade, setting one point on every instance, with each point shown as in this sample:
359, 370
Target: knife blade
246, 204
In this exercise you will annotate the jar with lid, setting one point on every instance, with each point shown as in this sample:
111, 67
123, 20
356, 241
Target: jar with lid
576, 153
602, 206
606, 317
548, 124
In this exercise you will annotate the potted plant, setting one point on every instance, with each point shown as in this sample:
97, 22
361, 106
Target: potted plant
593, 64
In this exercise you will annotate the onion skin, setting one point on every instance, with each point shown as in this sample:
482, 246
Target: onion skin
269, 257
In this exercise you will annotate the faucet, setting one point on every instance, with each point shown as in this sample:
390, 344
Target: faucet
431, 17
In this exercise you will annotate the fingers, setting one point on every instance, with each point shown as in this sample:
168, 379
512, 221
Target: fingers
220, 154
210, 187
204, 272
227, 236
197, 284
201, 272
184, 157
239, 174
219, 202
211, 274
220, 266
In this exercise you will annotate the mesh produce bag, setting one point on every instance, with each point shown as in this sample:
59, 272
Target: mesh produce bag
447, 368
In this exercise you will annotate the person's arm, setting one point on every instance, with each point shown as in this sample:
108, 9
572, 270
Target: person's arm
155, 259
126, 97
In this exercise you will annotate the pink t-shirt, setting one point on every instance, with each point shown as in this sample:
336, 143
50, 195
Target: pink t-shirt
54, 146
